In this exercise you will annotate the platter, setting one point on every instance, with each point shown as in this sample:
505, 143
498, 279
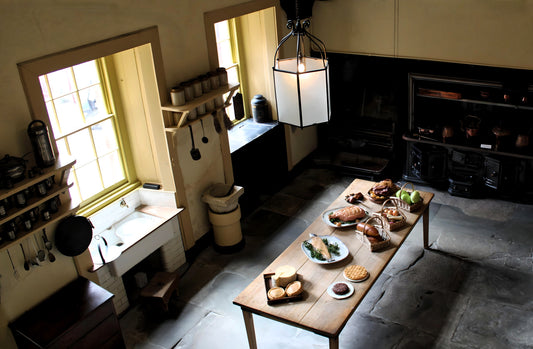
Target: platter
343, 250
340, 296
325, 218
269, 283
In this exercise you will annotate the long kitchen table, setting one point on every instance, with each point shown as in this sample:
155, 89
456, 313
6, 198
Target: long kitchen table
318, 311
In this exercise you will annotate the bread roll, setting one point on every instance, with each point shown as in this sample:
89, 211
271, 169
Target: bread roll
276, 293
294, 288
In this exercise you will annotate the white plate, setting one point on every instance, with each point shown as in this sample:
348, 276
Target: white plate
340, 296
325, 218
361, 280
343, 250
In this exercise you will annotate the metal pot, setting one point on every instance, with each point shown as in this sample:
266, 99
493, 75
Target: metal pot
73, 235
12, 170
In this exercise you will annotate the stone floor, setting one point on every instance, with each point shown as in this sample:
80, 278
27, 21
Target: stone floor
472, 289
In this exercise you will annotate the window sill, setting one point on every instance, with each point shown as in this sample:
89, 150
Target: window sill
247, 131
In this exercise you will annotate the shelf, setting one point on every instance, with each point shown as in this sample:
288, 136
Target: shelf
59, 167
66, 209
201, 100
409, 138
186, 108
33, 202
475, 101
185, 123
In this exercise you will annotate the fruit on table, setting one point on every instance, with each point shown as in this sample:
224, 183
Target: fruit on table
406, 197
399, 193
415, 196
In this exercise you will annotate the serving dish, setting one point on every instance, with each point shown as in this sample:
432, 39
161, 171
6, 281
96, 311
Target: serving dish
340, 296
325, 218
343, 250
269, 283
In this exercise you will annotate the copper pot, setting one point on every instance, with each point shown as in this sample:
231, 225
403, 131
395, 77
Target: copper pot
522, 141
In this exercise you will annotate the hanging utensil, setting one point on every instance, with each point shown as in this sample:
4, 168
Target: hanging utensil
26, 263
48, 246
204, 138
195, 152
15, 271
35, 259
40, 254
216, 123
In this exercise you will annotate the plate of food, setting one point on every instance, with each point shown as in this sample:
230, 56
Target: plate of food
340, 290
324, 249
344, 216
382, 190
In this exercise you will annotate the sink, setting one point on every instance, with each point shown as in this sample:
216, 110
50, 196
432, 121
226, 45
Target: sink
135, 226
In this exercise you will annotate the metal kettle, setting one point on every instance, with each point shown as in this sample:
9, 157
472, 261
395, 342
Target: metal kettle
40, 142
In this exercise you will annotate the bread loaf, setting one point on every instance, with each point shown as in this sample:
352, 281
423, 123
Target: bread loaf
367, 229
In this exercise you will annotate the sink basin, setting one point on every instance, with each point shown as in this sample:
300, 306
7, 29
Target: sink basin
135, 226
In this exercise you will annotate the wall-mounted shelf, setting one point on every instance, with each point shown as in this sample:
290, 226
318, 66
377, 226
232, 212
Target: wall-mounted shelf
211, 95
59, 188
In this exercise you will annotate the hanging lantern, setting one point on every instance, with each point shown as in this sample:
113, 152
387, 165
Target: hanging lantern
301, 83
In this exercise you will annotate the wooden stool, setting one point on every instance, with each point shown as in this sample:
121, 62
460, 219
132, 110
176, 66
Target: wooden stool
162, 286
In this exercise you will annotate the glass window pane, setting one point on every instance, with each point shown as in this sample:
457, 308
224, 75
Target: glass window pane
89, 180
111, 170
75, 189
225, 57
52, 117
92, 102
44, 88
62, 148
104, 137
233, 75
222, 31
86, 74
69, 113
81, 147
61, 82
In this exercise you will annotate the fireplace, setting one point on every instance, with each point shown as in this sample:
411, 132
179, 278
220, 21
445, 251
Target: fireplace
370, 117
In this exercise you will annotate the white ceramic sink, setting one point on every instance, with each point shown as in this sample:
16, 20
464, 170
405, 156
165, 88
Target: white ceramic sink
135, 226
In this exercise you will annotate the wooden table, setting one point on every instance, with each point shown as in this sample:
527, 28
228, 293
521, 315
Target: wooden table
317, 311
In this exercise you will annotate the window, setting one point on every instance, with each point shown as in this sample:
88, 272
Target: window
82, 95
82, 116
227, 50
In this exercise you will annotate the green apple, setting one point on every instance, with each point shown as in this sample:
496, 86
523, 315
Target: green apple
415, 196
399, 193
406, 197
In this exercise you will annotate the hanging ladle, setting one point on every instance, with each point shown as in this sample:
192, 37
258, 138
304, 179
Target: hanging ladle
15, 271
204, 138
48, 246
195, 152
26, 264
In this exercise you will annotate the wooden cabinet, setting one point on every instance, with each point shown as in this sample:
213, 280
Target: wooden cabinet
54, 192
80, 315
472, 135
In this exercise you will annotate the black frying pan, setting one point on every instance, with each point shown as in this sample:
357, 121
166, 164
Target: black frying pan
73, 235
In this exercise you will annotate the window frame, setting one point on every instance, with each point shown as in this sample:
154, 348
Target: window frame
30, 71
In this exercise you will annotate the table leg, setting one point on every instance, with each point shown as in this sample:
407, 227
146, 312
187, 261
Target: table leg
334, 343
425, 227
250, 332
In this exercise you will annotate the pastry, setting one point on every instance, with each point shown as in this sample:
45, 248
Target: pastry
374, 239
340, 288
348, 214
276, 293
355, 272
321, 247
294, 289
284, 275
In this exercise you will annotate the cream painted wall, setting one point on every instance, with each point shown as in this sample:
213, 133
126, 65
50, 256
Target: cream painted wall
491, 32
33, 29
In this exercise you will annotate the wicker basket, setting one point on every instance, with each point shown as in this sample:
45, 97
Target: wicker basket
392, 225
382, 232
404, 205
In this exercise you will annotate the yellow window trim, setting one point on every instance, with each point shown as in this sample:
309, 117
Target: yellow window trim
108, 199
